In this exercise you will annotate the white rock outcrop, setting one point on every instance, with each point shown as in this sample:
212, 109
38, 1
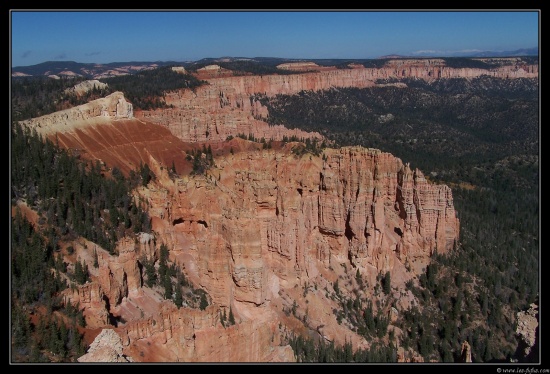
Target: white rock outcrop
108, 108
86, 86
106, 347
526, 327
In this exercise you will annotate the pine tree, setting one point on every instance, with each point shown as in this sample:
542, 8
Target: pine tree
150, 272
96, 259
80, 318
223, 318
178, 297
63, 338
348, 351
204, 301
167, 287
146, 174
35, 355
336, 288
78, 273
368, 317
163, 260
387, 283
231, 317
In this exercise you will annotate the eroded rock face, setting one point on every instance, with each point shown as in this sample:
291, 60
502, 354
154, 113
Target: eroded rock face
430, 69
257, 225
104, 110
107, 347
303, 66
526, 328
86, 86
115, 278
269, 217
465, 352
228, 105
214, 112
189, 335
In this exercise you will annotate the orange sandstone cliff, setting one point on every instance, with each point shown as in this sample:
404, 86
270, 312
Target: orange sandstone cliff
260, 225
263, 231
254, 232
227, 105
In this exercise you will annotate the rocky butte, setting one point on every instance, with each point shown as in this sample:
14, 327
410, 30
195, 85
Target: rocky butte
263, 231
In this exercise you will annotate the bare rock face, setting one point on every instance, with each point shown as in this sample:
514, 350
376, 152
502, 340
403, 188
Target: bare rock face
179, 69
303, 66
212, 113
228, 105
406, 357
107, 347
526, 328
190, 335
261, 220
465, 352
86, 86
430, 69
115, 278
104, 110
258, 225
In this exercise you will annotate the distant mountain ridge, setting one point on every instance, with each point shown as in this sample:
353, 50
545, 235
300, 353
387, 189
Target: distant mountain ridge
469, 54
518, 52
87, 70
97, 70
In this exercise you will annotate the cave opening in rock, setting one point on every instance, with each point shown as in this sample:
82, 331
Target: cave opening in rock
177, 221
398, 231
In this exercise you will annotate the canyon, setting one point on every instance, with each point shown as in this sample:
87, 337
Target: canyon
229, 105
264, 230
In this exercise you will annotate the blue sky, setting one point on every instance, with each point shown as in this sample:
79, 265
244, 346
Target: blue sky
121, 36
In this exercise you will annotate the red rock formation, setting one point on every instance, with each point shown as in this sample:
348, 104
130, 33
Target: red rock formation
269, 211
211, 114
154, 330
188, 335
226, 106
258, 226
260, 223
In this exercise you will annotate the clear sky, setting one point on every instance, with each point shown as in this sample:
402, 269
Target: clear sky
122, 36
